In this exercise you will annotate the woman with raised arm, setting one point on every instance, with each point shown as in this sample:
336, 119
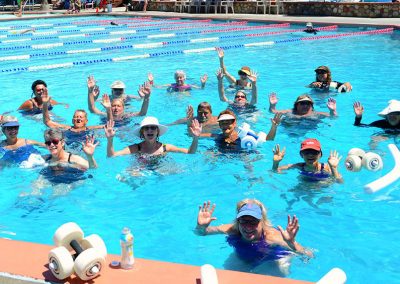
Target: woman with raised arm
180, 85
149, 131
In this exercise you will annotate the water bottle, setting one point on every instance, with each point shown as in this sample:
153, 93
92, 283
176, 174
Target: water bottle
127, 259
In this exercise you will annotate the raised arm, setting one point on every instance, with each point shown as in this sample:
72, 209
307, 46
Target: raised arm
46, 116
221, 55
254, 95
204, 219
273, 100
275, 121
88, 148
278, 157
144, 91
110, 133
93, 92
333, 161
221, 91
358, 111
331, 104
195, 132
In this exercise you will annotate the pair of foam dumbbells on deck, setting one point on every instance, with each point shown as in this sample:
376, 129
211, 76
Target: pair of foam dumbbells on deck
88, 259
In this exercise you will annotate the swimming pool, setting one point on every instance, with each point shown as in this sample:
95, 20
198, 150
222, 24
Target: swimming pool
346, 227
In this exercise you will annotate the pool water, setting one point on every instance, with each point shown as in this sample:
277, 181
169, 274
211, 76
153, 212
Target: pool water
344, 226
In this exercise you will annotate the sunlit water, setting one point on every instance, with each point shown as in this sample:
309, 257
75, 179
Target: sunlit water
345, 227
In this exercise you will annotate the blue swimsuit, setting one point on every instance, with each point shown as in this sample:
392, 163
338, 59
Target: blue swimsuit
315, 176
17, 156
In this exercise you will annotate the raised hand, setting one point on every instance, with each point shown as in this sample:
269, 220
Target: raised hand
204, 218
220, 52
189, 113
220, 74
204, 78
145, 90
331, 104
253, 76
91, 82
334, 159
150, 77
358, 109
276, 120
278, 154
45, 96
195, 128
289, 234
106, 103
273, 99
89, 146
109, 129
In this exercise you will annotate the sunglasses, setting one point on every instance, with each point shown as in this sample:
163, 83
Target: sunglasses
303, 103
241, 73
321, 72
240, 96
55, 142
310, 152
252, 222
151, 127
9, 128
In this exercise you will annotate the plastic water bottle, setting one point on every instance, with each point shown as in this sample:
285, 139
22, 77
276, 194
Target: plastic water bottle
127, 259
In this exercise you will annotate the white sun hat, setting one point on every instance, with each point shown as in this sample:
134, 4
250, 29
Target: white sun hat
394, 106
150, 120
118, 85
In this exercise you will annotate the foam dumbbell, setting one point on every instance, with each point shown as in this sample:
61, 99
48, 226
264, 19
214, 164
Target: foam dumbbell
354, 159
372, 162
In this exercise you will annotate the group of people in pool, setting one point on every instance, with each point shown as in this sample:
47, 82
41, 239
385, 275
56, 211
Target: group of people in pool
251, 234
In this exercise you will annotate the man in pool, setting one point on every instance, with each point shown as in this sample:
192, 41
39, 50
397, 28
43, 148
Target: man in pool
310, 29
311, 168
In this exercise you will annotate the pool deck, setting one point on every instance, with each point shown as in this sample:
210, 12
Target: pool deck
348, 21
30, 260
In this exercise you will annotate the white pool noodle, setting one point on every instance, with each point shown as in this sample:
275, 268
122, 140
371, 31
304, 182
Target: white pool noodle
334, 276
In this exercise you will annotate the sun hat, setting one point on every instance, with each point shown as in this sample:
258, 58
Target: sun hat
118, 85
250, 209
309, 25
323, 68
310, 143
9, 120
245, 70
226, 116
304, 98
150, 120
394, 106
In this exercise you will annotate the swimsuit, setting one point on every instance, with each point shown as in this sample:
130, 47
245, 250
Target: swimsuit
18, 155
315, 176
177, 88
63, 173
256, 252
74, 140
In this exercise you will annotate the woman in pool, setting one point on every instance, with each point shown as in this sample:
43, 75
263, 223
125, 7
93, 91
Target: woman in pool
149, 131
229, 139
323, 81
311, 168
240, 99
303, 107
179, 85
252, 236
13, 149
243, 82
35, 105
116, 109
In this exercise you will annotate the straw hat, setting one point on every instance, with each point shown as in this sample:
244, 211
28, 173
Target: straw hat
118, 85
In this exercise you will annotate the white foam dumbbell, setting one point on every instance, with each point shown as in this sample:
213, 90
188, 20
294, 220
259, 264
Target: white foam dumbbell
372, 162
354, 159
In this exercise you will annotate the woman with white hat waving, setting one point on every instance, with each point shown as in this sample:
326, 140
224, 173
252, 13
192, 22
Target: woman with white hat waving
150, 130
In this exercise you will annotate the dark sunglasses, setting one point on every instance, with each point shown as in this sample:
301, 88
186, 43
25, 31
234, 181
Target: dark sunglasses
321, 72
253, 222
228, 121
55, 142
241, 73
11, 128
310, 152
151, 127
240, 96
303, 103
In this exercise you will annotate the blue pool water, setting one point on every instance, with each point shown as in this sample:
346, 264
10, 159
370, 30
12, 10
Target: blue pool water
345, 227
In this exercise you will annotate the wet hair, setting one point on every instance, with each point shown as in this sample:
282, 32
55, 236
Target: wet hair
38, 82
227, 111
180, 73
119, 100
53, 133
264, 220
328, 71
205, 105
